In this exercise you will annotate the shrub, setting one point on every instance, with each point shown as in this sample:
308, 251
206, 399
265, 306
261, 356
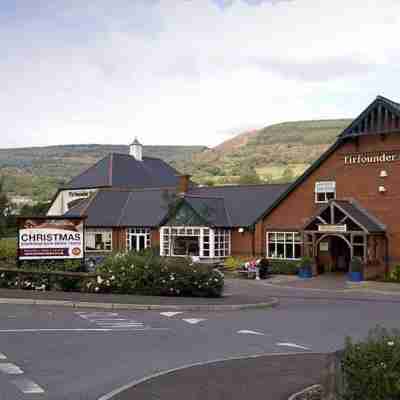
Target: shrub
154, 275
232, 263
8, 249
305, 263
356, 264
283, 267
371, 369
394, 275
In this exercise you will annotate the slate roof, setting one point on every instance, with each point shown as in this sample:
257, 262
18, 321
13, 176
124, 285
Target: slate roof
243, 203
361, 216
223, 206
124, 171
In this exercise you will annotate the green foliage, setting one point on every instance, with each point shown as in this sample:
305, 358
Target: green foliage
371, 368
8, 249
147, 273
356, 264
249, 176
37, 210
4, 208
394, 275
283, 267
232, 263
305, 262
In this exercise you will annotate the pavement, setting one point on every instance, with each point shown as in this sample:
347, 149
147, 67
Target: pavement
236, 296
235, 379
63, 353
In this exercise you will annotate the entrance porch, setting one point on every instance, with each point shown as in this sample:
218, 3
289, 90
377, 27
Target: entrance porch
340, 232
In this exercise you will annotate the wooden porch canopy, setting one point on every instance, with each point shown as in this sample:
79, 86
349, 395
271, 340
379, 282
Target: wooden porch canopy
345, 219
343, 216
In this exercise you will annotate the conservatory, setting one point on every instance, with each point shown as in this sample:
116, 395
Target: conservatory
195, 241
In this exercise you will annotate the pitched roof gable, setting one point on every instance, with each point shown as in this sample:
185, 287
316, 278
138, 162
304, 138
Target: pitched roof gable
124, 171
381, 116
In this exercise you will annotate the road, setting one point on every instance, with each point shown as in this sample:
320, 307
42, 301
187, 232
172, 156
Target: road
61, 353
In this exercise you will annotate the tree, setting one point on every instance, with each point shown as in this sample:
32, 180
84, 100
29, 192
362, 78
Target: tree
249, 176
4, 208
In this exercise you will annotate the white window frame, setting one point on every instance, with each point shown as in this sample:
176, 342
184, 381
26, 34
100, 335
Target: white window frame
293, 242
137, 231
108, 241
219, 240
323, 187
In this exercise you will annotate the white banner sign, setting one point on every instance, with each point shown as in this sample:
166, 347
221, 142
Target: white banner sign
332, 228
51, 239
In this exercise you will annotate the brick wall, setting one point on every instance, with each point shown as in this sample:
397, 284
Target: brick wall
358, 181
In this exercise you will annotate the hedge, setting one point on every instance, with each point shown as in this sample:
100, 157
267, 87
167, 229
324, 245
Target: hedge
129, 273
151, 274
283, 267
371, 368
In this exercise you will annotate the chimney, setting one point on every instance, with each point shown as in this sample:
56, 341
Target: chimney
184, 181
135, 150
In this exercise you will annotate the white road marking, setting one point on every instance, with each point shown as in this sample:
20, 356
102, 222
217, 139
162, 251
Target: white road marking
3, 356
110, 320
78, 330
193, 320
10, 369
294, 345
27, 386
171, 313
247, 332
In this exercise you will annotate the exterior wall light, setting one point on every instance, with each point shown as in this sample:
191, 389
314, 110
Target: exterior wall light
383, 174
381, 189
240, 230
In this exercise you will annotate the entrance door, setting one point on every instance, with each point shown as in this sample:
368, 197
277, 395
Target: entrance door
334, 254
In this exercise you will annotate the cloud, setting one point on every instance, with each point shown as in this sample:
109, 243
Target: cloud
184, 72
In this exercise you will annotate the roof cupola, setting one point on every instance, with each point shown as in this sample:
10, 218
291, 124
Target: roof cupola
135, 150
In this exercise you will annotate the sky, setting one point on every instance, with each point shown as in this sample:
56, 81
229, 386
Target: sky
188, 72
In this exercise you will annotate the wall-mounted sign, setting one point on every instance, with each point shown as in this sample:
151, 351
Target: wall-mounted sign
50, 238
324, 246
332, 228
372, 158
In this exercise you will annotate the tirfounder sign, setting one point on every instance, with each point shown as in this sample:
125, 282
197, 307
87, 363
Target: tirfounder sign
372, 158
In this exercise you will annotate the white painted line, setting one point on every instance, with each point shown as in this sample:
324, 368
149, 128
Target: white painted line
194, 320
3, 356
171, 313
27, 386
10, 369
294, 345
247, 332
77, 330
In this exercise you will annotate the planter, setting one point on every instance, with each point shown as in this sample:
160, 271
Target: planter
355, 276
305, 273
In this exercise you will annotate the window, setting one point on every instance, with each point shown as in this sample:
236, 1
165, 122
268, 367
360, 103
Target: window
138, 239
195, 241
284, 245
325, 191
98, 240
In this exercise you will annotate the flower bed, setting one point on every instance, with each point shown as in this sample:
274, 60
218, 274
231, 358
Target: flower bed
129, 273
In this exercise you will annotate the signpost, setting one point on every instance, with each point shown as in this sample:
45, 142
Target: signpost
51, 238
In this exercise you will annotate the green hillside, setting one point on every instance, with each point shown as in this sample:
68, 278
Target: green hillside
278, 153
37, 171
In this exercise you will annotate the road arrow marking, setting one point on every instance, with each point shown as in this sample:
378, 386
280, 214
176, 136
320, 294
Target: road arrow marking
294, 345
171, 313
27, 386
193, 320
246, 332
3, 356
10, 369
